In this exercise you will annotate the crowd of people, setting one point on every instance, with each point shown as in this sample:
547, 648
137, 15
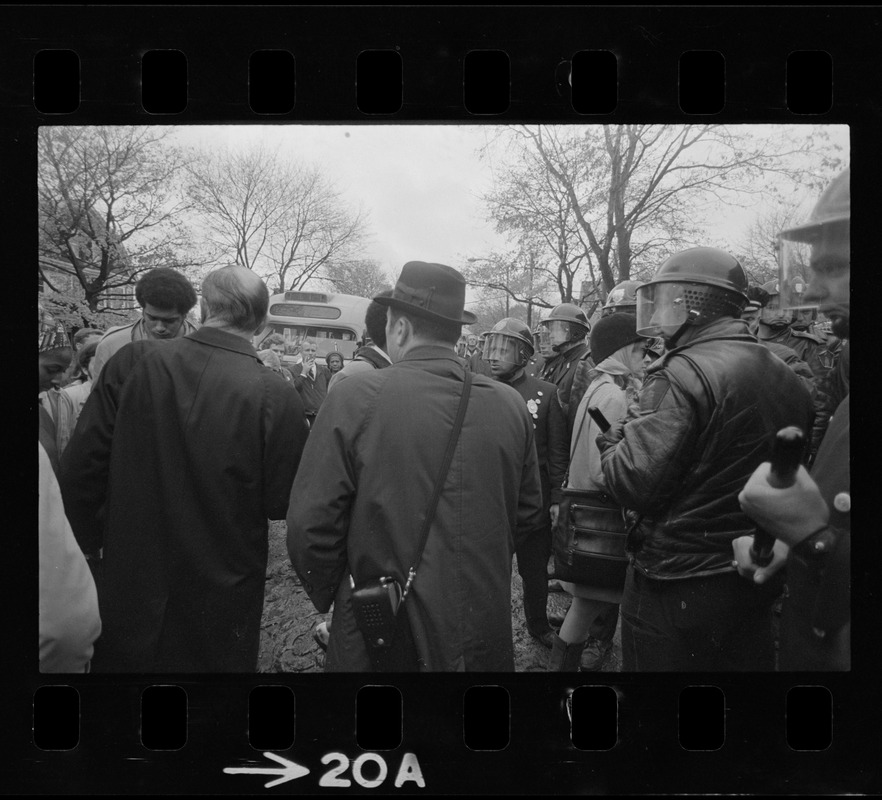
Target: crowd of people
414, 476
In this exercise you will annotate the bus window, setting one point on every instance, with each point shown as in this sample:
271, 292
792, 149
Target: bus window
335, 322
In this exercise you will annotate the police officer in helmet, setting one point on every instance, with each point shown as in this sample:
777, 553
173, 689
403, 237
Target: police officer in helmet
507, 350
622, 298
705, 422
812, 518
567, 327
794, 327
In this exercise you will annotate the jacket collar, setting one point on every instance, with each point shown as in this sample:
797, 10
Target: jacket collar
727, 328
215, 337
431, 352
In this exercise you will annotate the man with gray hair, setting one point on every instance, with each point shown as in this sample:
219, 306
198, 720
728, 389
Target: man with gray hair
183, 451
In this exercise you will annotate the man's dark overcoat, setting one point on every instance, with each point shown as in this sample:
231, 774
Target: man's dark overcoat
361, 494
183, 451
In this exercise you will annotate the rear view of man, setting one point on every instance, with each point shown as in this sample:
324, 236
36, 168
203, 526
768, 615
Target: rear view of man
182, 453
165, 297
705, 423
369, 470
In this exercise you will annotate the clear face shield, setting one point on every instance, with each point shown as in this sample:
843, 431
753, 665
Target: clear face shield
558, 331
661, 309
506, 350
794, 275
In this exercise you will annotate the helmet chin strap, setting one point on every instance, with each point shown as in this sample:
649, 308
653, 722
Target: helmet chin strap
691, 320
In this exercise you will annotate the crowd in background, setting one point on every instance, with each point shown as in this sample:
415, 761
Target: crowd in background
166, 446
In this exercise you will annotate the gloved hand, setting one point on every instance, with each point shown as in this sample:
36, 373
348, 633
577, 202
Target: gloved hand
612, 437
745, 565
790, 514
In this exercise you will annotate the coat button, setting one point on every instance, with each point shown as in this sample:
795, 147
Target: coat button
842, 502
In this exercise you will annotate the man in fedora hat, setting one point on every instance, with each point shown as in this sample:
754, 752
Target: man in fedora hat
368, 473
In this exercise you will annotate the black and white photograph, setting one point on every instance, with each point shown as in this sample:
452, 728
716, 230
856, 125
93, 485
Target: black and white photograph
434, 398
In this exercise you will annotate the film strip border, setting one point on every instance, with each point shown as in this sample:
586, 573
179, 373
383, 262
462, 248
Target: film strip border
386, 64
452, 736
589, 80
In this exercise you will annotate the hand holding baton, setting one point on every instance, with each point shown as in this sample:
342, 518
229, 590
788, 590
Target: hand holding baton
786, 456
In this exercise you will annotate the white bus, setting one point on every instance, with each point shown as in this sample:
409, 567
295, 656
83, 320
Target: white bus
334, 321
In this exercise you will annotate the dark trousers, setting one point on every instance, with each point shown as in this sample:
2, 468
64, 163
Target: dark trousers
532, 557
718, 623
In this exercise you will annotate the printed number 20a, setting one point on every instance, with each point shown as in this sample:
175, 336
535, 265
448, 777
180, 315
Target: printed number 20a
408, 771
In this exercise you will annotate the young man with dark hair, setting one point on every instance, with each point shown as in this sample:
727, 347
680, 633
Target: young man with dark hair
165, 297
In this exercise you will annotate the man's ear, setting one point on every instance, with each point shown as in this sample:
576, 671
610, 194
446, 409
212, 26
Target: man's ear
203, 310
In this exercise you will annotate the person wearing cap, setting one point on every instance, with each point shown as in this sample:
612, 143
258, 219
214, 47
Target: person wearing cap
334, 362
165, 297
585, 640
182, 453
370, 468
751, 315
507, 350
812, 518
705, 422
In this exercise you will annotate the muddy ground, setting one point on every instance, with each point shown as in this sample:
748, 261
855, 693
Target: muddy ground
286, 643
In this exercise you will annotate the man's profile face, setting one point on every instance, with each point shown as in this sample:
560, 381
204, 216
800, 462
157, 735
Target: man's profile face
831, 278
278, 349
162, 323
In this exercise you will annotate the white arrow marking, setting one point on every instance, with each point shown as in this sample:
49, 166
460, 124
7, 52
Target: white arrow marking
289, 772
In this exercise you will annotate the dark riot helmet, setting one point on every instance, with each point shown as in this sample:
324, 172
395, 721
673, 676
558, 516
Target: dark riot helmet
622, 297
704, 280
509, 341
566, 323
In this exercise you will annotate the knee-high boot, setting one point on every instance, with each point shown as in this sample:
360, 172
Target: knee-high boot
564, 656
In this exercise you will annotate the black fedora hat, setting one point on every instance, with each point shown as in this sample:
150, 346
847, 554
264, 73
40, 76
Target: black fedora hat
435, 291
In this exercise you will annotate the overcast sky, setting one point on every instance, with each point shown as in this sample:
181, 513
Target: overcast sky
419, 184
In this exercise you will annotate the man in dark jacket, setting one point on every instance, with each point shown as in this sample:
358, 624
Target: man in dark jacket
312, 381
182, 452
567, 327
369, 471
812, 518
507, 351
705, 423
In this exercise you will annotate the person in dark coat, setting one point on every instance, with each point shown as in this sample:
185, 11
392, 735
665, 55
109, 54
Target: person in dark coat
183, 450
507, 351
567, 327
312, 381
812, 518
704, 424
368, 473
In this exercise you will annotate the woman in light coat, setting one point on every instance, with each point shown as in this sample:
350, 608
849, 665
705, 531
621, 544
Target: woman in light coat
591, 620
